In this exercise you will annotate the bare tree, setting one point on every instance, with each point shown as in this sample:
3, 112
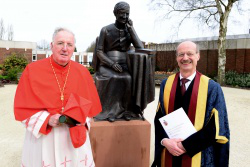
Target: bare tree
210, 12
10, 32
43, 44
2, 29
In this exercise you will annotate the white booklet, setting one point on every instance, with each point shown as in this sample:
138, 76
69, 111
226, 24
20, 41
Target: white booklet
177, 124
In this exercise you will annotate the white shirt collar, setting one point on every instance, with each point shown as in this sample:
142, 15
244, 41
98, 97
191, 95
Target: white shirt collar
190, 78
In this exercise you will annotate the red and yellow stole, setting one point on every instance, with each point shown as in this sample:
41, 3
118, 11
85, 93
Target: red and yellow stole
197, 103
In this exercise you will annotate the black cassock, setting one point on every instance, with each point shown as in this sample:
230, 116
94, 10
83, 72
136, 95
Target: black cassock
127, 92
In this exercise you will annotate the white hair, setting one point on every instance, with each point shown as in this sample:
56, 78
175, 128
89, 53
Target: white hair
57, 30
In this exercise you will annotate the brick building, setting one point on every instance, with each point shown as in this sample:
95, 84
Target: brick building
84, 58
237, 50
8, 47
237, 54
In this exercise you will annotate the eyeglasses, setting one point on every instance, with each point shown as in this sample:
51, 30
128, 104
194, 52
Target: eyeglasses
189, 54
62, 45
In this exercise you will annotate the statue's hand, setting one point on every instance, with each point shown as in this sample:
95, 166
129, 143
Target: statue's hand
117, 67
129, 23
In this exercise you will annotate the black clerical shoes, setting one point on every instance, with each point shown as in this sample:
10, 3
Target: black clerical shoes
127, 117
111, 119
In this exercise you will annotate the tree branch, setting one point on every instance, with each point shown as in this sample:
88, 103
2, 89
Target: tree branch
220, 1
219, 7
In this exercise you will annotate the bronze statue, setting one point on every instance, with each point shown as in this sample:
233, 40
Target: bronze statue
113, 77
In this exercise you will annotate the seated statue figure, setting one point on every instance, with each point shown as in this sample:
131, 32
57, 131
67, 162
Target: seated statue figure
113, 80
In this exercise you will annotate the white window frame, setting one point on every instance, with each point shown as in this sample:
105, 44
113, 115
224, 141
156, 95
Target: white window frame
34, 54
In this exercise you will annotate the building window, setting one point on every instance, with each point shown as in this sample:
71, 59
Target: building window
81, 58
48, 54
89, 58
73, 57
34, 57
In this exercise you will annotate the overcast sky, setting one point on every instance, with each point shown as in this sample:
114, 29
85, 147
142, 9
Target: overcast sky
35, 20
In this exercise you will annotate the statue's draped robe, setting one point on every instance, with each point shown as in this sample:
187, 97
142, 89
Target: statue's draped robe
114, 88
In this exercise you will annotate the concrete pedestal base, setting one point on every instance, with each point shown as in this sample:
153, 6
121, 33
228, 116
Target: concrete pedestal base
121, 143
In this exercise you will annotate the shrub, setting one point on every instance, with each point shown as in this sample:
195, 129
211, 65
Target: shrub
15, 61
91, 70
213, 76
12, 74
3, 77
235, 79
157, 68
12, 65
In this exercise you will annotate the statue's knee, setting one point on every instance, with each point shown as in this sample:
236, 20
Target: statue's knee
128, 78
116, 76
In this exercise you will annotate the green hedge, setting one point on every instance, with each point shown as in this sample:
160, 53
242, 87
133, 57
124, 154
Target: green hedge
15, 61
3, 77
12, 74
12, 65
91, 70
238, 80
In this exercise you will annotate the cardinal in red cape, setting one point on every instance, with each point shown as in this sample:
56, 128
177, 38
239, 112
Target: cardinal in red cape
42, 96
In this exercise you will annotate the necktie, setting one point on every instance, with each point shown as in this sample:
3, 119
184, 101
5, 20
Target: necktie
183, 87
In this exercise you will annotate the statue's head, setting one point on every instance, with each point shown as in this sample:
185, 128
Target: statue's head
121, 12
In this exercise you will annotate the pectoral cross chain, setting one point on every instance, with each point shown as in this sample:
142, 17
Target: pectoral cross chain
61, 90
62, 98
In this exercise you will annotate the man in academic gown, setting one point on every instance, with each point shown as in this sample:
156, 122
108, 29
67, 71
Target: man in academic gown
203, 101
50, 88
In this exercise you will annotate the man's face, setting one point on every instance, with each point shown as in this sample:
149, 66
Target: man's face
122, 16
187, 57
63, 47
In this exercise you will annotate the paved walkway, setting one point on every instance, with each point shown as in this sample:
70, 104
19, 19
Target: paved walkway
12, 132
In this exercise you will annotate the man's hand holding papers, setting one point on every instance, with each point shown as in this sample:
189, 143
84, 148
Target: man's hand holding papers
178, 127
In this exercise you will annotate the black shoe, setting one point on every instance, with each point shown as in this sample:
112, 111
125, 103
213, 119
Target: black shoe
111, 119
127, 117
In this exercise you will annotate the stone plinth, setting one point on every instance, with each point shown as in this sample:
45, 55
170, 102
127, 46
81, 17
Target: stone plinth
121, 143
